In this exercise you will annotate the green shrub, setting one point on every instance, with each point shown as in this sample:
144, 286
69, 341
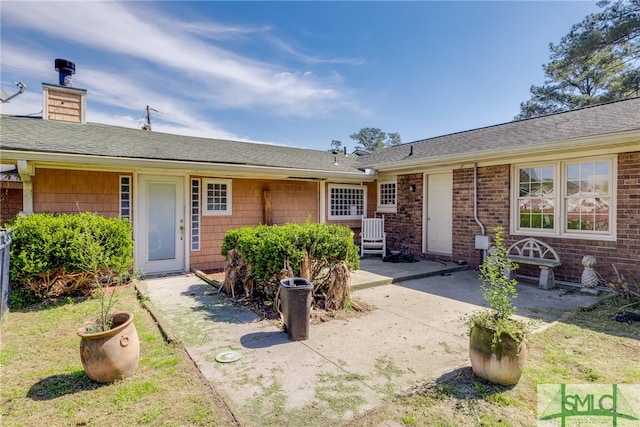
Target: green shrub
266, 249
49, 253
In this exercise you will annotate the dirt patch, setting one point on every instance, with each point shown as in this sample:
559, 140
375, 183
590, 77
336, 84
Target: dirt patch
266, 310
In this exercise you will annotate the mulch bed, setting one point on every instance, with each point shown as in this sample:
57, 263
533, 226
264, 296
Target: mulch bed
267, 311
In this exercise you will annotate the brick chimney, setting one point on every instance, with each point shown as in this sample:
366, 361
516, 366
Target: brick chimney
63, 102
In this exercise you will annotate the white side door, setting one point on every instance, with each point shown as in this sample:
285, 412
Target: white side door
160, 227
439, 212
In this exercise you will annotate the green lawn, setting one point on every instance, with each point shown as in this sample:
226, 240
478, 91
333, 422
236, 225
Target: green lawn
589, 347
43, 383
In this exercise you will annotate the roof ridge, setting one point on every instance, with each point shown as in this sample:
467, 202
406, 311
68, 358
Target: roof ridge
557, 113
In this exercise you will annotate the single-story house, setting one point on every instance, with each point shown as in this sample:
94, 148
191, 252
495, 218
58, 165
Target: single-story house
570, 179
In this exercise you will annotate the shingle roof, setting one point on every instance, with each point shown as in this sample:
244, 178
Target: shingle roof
92, 139
597, 120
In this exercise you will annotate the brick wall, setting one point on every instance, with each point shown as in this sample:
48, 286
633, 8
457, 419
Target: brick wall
404, 227
493, 209
10, 200
73, 191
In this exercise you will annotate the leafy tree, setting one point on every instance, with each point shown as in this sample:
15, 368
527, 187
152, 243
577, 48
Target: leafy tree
597, 61
372, 139
336, 145
393, 138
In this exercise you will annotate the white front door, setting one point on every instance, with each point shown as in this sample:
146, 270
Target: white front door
439, 212
160, 227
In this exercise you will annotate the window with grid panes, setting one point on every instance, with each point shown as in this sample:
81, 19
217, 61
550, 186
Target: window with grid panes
195, 214
346, 201
387, 196
125, 197
572, 198
217, 197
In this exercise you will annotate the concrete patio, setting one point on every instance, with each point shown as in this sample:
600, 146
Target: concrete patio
412, 335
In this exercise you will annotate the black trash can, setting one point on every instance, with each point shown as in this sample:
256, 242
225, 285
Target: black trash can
296, 307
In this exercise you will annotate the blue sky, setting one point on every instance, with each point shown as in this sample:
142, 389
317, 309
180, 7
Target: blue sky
291, 73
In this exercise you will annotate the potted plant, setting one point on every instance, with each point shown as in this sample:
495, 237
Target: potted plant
497, 343
109, 343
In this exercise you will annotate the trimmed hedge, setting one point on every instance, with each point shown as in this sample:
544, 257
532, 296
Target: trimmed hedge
52, 253
266, 249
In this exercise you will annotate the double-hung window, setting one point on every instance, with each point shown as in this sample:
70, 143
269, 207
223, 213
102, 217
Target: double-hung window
536, 199
387, 196
346, 201
217, 196
570, 198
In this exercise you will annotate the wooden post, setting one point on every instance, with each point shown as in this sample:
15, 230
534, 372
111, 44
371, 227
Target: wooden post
268, 214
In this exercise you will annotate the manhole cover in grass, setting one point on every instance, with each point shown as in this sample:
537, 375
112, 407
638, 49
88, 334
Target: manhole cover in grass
228, 356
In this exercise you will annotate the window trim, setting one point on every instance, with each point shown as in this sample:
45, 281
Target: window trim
392, 208
347, 217
122, 183
560, 215
205, 203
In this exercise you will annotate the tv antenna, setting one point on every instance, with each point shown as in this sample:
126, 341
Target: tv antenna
4, 96
147, 126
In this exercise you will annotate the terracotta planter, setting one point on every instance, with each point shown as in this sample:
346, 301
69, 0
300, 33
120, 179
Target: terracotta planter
502, 365
110, 355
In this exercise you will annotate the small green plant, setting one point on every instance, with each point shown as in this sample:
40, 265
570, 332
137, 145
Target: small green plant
499, 290
104, 271
93, 262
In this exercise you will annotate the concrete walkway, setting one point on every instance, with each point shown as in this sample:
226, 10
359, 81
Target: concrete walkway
413, 335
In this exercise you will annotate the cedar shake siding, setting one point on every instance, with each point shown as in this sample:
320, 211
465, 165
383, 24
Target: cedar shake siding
74, 191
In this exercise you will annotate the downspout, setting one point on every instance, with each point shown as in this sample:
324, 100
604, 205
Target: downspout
475, 198
322, 214
25, 171
475, 209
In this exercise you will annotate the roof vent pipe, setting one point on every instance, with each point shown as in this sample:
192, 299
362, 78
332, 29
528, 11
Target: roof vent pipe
411, 151
65, 69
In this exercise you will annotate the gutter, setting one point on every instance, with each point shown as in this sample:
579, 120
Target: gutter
233, 170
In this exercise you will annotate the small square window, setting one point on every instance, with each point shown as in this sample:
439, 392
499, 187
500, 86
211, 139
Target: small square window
217, 197
387, 196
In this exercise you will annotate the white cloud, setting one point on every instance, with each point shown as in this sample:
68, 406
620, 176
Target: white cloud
208, 72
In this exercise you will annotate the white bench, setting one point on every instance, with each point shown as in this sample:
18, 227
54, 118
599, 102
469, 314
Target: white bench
534, 252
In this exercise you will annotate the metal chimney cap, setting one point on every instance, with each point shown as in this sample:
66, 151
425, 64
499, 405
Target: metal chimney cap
65, 65
65, 69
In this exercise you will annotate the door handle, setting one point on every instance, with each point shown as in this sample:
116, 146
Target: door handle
181, 230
